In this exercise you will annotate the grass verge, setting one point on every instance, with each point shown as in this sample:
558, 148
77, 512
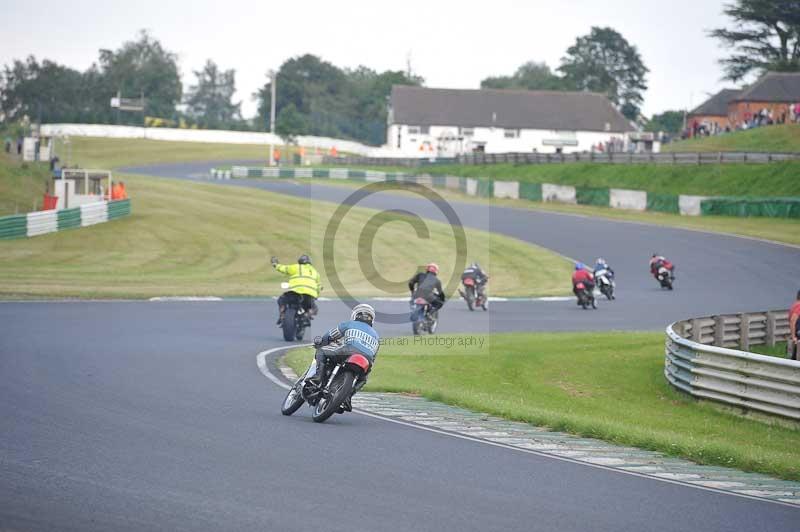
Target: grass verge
784, 138
609, 386
187, 238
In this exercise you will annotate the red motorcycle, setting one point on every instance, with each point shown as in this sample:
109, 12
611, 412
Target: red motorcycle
472, 294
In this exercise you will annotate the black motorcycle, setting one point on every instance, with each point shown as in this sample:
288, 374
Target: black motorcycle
340, 375
665, 278
423, 317
586, 297
295, 319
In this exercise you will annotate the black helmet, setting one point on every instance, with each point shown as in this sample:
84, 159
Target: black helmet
304, 259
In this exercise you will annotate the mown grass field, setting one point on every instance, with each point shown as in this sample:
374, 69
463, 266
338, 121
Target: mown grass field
775, 139
609, 386
188, 238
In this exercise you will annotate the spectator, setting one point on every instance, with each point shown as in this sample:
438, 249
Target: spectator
794, 325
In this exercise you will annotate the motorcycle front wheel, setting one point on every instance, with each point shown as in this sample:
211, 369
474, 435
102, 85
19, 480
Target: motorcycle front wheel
338, 391
294, 399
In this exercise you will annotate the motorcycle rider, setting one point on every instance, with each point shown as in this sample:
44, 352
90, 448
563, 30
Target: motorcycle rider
356, 336
601, 267
657, 262
303, 285
582, 275
474, 272
428, 286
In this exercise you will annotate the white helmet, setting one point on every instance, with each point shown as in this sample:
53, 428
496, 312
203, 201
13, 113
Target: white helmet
363, 312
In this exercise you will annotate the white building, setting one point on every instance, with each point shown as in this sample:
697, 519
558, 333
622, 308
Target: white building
447, 122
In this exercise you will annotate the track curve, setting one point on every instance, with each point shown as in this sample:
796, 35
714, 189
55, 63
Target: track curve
140, 415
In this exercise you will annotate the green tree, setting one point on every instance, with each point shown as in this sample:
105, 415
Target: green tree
765, 36
290, 123
44, 91
210, 101
668, 122
530, 76
140, 67
603, 61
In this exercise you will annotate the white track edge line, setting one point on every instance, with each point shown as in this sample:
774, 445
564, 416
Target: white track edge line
261, 361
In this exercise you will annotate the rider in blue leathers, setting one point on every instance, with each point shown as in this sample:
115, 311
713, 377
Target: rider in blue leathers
349, 337
601, 267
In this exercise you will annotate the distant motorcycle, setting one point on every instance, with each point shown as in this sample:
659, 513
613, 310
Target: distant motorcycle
333, 396
586, 298
664, 276
605, 283
295, 320
423, 317
472, 294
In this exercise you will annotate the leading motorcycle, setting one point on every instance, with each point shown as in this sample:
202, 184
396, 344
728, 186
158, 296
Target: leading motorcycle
665, 279
423, 317
339, 383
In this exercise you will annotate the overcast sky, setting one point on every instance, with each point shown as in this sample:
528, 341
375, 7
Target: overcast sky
453, 44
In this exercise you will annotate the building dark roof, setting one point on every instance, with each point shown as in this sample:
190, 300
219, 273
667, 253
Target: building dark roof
511, 109
717, 105
783, 87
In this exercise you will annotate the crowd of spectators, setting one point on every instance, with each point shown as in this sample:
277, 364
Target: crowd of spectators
765, 117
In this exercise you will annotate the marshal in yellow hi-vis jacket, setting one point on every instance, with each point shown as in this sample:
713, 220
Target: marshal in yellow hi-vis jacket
303, 277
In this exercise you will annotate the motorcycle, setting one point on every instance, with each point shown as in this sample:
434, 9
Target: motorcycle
333, 396
665, 278
605, 283
295, 319
585, 296
472, 294
423, 318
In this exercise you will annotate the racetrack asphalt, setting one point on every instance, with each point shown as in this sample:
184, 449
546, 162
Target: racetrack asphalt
154, 416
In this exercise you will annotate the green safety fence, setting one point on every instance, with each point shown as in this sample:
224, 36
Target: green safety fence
321, 173
14, 226
69, 218
439, 181
393, 177
119, 208
747, 206
462, 185
663, 203
254, 172
359, 175
485, 188
530, 191
593, 196
286, 172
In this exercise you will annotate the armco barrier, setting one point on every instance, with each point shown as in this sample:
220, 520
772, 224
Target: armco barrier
700, 361
43, 222
615, 198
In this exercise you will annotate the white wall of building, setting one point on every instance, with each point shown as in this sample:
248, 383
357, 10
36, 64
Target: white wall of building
443, 141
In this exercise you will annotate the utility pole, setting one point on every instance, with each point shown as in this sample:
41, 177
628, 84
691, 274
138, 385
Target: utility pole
273, 75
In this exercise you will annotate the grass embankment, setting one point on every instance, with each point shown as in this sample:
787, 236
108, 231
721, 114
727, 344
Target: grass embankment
609, 386
22, 185
774, 139
187, 238
95, 152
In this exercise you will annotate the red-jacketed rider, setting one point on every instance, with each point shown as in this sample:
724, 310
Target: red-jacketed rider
582, 275
657, 262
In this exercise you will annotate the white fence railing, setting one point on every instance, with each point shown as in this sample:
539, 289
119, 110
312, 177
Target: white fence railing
700, 361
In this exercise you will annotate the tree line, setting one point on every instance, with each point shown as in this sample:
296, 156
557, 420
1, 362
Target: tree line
315, 97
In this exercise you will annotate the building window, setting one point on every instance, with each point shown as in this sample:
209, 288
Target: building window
413, 130
467, 131
511, 133
425, 130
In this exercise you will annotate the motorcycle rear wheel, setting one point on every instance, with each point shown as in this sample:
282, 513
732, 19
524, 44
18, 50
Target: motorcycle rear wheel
339, 390
289, 325
294, 399
469, 296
